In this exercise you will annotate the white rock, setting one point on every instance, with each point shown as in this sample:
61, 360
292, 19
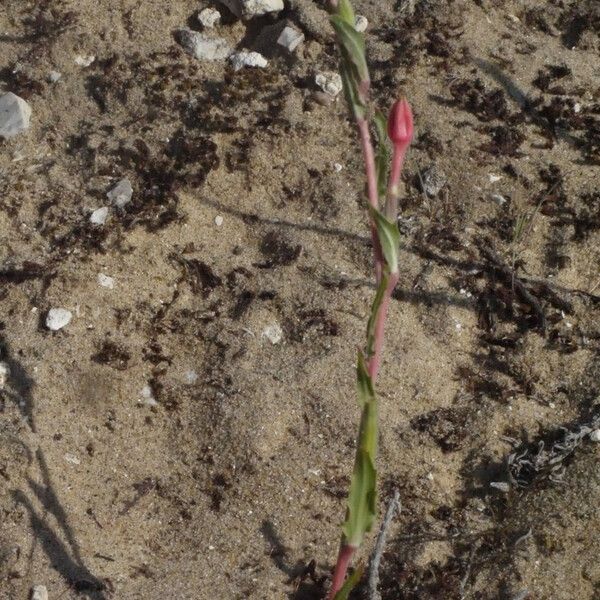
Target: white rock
191, 377
218, 220
290, 38
71, 458
84, 61
202, 46
499, 199
330, 82
433, 179
121, 194
106, 281
503, 486
14, 115
39, 592
4, 373
337, 167
595, 435
494, 178
242, 59
209, 17
273, 333
99, 216
57, 318
246, 9
148, 397
361, 23
54, 76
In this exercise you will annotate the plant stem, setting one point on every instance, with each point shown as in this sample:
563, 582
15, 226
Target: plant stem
346, 551
371, 173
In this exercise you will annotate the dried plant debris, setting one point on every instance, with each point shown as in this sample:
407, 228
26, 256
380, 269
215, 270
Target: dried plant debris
548, 457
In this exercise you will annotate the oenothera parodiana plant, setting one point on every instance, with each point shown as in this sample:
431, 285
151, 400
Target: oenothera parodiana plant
382, 191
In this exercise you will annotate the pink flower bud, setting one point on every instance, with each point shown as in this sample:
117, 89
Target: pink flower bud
400, 123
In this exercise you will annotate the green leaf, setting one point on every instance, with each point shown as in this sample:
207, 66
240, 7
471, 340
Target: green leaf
389, 238
353, 43
346, 12
351, 92
374, 311
350, 583
382, 160
363, 492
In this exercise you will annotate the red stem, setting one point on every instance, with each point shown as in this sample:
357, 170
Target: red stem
371, 172
341, 568
391, 205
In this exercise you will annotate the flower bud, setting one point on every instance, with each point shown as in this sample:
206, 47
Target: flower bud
400, 123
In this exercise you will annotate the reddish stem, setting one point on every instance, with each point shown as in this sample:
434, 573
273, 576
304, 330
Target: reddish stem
341, 568
373, 195
393, 191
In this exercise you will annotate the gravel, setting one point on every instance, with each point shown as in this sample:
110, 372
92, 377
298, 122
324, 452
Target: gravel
57, 318
15, 114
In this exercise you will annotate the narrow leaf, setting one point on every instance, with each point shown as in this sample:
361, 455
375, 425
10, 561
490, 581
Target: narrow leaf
389, 238
373, 316
346, 12
350, 91
363, 494
350, 583
382, 160
353, 43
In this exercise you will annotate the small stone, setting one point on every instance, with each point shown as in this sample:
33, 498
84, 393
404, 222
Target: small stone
290, 38
57, 318
54, 76
148, 397
595, 435
503, 486
499, 199
218, 220
71, 458
99, 216
39, 592
273, 333
330, 82
14, 115
209, 18
244, 58
494, 178
337, 167
246, 9
106, 281
191, 377
121, 194
202, 46
433, 179
361, 23
4, 374
84, 61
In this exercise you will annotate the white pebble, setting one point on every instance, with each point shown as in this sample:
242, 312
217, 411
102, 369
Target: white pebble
273, 333
252, 8
84, 61
330, 82
106, 281
54, 76
209, 17
71, 458
121, 194
15, 114
361, 23
203, 46
290, 38
498, 199
218, 220
595, 435
494, 178
191, 377
57, 318
244, 58
4, 373
148, 397
39, 592
503, 486
337, 167
99, 216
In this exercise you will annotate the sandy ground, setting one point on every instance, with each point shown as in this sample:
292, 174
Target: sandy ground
160, 445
